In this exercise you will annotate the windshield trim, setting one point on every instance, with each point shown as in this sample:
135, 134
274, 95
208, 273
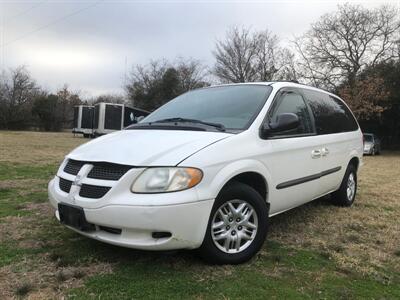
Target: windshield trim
228, 129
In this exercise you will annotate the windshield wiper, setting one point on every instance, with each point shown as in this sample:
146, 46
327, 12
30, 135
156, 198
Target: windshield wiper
219, 126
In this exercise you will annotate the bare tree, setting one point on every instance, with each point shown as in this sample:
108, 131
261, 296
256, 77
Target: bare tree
192, 73
149, 86
343, 43
109, 98
252, 56
67, 99
143, 84
17, 90
266, 57
236, 56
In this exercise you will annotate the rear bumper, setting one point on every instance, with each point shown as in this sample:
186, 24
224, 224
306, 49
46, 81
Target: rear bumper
187, 223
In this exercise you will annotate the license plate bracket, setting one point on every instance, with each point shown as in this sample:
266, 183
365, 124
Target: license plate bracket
74, 216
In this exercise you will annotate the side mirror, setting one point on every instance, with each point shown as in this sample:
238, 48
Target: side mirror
286, 121
140, 119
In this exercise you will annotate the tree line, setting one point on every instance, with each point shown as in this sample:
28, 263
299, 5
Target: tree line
353, 52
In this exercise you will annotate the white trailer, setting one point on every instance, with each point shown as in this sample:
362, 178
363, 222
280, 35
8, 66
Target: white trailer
83, 120
110, 117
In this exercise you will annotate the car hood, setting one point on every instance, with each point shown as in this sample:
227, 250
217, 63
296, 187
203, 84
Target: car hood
146, 147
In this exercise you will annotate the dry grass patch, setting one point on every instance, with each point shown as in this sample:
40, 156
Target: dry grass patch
36, 272
31, 185
42, 278
36, 147
363, 238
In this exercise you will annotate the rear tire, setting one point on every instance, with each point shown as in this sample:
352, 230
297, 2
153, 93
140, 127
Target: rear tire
346, 194
237, 226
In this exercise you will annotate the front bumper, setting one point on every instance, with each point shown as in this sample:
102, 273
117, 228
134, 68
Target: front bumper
367, 150
187, 222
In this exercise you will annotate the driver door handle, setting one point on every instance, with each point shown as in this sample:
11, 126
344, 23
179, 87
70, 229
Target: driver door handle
316, 153
324, 151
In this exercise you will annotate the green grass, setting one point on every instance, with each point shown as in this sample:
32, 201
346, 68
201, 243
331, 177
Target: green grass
15, 171
9, 254
13, 203
302, 274
27, 190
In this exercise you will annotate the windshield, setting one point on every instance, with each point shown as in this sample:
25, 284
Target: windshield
368, 138
234, 107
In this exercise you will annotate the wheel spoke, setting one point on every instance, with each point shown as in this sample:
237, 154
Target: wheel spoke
227, 243
223, 236
232, 208
250, 225
224, 215
245, 236
236, 242
218, 225
247, 215
240, 208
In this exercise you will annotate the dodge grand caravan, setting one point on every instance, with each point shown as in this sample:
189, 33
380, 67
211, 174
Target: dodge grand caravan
208, 169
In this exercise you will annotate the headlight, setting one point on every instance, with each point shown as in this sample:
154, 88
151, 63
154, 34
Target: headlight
166, 179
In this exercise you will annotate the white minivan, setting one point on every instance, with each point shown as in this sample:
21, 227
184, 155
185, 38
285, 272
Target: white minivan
208, 169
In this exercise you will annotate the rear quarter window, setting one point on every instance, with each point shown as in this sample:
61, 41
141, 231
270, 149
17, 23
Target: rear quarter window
330, 113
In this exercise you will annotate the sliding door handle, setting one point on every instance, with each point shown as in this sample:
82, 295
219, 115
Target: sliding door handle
316, 154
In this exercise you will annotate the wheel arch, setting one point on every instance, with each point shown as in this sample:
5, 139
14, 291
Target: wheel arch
252, 179
355, 161
249, 172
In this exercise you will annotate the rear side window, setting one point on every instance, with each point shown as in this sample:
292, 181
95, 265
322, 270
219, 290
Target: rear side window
330, 113
290, 102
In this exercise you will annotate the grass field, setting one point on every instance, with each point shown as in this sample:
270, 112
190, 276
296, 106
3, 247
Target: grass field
315, 251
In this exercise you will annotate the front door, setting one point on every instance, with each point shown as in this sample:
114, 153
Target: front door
291, 156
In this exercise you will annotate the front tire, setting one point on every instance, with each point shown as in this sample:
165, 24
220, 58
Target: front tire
237, 226
346, 194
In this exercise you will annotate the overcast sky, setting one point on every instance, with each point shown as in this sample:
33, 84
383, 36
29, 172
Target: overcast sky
86, 44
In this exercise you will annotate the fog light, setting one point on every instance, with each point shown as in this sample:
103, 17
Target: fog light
161, 234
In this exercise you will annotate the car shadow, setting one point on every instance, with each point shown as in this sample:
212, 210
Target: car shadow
103, 252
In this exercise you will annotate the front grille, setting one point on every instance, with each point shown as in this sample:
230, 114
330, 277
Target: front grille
93, 191
108, 171
65, 185
100, 170
73, 166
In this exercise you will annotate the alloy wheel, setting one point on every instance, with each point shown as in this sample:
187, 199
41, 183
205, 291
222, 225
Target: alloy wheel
351, 187
234, 226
